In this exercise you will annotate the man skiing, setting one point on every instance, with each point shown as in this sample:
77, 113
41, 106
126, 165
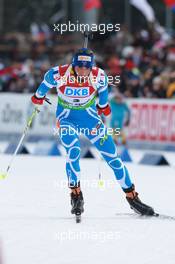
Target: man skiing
77, 109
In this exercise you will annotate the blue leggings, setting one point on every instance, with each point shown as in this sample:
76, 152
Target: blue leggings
87, 122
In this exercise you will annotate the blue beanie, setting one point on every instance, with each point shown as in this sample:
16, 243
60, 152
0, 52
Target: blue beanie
83, 58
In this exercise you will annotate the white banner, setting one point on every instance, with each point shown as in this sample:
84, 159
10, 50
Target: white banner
15, 110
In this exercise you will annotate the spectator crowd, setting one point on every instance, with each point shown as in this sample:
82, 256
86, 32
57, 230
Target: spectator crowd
144, 60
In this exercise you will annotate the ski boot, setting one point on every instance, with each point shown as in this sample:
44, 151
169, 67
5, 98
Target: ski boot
136, 204
77, 201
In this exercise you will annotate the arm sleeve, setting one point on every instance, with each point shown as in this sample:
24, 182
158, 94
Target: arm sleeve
102, 89
48, 83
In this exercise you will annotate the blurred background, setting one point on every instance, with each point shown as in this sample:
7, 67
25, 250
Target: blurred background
142, 53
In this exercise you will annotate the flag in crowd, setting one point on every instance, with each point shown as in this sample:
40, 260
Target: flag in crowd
91, 4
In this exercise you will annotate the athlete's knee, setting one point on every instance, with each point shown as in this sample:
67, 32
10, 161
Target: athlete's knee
69, 141
74, 153
116, 163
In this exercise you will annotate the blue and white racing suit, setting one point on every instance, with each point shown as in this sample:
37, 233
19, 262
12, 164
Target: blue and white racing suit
76, 111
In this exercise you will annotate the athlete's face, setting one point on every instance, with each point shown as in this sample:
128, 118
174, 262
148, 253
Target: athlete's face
82, 71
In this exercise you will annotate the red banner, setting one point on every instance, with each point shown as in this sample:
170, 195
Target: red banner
152, 122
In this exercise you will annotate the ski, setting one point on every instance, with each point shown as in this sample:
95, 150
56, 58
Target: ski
139, 216
162, 216
78, 218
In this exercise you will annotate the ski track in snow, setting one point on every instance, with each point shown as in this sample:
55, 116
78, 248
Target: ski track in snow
36, 226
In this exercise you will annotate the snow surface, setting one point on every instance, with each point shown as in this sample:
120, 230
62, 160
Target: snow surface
36, 226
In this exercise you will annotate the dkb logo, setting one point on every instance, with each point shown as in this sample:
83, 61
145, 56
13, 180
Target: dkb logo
76, 92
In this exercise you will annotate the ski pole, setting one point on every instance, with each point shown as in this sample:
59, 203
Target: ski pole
29, 122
